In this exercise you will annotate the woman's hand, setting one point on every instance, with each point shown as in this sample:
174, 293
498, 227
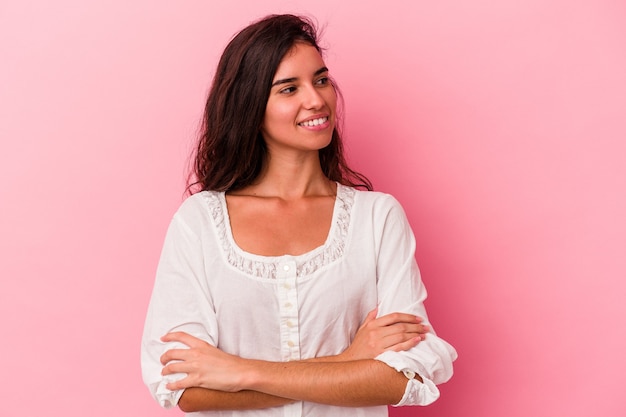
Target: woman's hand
394, 331
206, 366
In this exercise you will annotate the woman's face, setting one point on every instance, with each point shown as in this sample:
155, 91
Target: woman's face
300, 112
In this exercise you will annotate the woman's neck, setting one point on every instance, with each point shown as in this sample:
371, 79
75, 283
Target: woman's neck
291, 179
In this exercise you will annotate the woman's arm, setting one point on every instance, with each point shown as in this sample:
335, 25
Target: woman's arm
202, 399
392, 332
363, 382
400, 288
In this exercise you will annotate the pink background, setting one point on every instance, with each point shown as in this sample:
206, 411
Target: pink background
500, 126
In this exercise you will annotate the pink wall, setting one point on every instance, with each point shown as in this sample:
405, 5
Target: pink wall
500, 125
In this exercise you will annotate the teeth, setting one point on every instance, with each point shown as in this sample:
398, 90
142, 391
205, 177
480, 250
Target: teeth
314, 122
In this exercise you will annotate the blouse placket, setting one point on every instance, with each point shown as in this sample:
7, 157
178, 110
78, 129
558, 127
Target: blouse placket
287, 293
288, 309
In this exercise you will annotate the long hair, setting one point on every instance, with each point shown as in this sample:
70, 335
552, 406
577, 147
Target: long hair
231, 151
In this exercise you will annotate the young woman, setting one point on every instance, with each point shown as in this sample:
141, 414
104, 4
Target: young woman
282, 290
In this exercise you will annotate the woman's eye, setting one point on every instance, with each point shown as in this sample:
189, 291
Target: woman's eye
322, 81
287, 90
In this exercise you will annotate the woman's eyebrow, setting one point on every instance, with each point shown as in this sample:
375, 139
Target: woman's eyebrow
290, 80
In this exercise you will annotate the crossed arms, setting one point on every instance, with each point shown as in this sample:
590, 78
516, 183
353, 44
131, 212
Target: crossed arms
218, 381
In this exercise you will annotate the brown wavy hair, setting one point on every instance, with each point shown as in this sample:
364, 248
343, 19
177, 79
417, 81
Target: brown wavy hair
231, 151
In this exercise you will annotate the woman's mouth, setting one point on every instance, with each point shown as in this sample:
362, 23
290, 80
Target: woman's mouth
314, 122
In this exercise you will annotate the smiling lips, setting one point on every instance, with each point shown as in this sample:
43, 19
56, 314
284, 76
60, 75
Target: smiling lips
319, 122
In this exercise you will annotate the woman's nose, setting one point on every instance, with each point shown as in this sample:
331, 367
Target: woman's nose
313, 99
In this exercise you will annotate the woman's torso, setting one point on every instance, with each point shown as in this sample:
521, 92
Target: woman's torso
282, 308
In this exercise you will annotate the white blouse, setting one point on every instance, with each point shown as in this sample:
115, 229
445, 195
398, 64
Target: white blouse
282, 308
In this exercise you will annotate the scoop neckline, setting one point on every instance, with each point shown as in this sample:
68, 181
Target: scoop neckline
263, 266
252, 255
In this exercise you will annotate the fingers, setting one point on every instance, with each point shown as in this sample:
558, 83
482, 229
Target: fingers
194, 345
411, 329
392, 339
402, 336
176, 385
371, 315
174, 355
406, 328
184, 383
184, 338
393, 318
406, 345
176, 368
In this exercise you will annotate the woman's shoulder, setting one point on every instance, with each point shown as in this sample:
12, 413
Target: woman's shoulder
383, 213
198, 206
375, 200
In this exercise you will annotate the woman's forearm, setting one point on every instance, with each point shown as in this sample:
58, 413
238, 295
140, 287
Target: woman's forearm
355, 383
322, 380
352, 384
202, 399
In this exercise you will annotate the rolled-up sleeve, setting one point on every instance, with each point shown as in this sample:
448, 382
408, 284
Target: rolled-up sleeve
400, 289
180, 301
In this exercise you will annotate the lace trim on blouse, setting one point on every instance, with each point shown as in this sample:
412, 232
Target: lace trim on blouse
265, 266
